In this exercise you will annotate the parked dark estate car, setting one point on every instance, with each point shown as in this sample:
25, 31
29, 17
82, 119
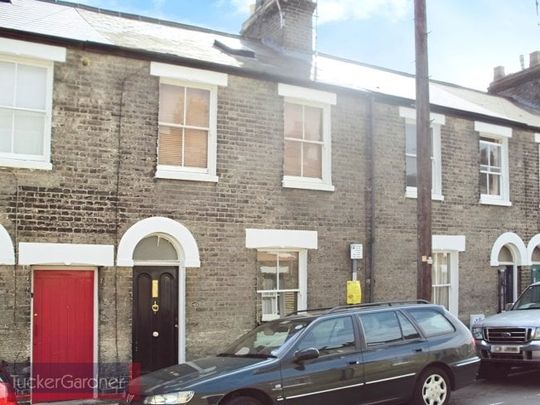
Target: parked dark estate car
371, 353
511, 338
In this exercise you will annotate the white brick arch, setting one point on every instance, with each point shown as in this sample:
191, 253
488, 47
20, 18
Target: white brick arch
533, 243
7, 253
176, 233
516, 246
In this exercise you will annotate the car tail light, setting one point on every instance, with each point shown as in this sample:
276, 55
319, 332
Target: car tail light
7, 395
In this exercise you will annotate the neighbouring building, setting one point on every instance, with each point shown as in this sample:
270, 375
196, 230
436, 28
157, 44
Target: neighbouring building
165, 187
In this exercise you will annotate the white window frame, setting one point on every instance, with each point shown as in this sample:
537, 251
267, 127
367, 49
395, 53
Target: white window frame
437, 120
319, 99
501, 135
451, 245
302, 282
276, 240
537, 140
199, 79
44, 56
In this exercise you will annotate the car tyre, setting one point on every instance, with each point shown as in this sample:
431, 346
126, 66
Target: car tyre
243, 400
432, 388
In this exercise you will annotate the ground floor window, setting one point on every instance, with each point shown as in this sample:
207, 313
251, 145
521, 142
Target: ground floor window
279, 283
535, 273
445, 280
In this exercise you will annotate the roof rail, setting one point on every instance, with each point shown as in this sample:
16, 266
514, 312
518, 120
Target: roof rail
301, 311
376, 304
338, 308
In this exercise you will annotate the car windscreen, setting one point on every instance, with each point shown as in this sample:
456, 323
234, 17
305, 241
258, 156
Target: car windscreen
266, 339
530, 299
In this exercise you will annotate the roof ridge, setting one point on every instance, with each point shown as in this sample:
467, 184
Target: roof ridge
139, 17
400, 72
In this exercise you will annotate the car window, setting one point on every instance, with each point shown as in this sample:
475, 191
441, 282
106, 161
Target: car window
432, 322
381, 328
530, 299
330, 336
407, 328
267, 338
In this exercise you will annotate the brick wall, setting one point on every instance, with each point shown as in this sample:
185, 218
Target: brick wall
104, 158
78, 201
459, 214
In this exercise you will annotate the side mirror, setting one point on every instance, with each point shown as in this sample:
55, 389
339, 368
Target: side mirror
508, 306
306, 354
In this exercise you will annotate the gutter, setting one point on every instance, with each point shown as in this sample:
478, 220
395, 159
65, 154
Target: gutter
199, 64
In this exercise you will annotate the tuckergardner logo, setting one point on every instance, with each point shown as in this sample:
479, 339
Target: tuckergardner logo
69, 382
67, 378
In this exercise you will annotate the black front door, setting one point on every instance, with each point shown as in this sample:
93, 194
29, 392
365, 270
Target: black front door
506, 287
155, 317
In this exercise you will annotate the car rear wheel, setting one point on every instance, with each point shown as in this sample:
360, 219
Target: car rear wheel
432, 388
243, 400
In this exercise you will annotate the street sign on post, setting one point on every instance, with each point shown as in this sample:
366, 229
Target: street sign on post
357, 251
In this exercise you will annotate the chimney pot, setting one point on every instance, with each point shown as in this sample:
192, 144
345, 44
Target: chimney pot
498, 73
534, 58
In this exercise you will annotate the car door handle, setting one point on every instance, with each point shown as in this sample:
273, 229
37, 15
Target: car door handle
419, 350
354, 363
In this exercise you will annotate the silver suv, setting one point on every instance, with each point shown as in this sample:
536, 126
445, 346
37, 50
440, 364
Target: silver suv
511, 338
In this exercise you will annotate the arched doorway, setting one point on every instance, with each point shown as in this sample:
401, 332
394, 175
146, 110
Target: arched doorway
533, 251
508, 278
7, 255
155, 303
508, 254
159, 250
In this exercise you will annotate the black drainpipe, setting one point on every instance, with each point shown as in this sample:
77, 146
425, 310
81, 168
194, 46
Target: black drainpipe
370, 201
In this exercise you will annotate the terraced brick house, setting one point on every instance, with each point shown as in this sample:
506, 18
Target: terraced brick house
165, 187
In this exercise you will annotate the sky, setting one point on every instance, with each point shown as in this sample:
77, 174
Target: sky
467, 39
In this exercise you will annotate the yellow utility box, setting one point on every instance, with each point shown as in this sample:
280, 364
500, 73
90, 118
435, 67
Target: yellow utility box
354, 292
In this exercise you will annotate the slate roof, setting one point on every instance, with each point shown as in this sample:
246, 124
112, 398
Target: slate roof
94, 26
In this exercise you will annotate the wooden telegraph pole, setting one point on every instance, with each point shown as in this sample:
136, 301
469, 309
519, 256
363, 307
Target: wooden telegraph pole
423, 154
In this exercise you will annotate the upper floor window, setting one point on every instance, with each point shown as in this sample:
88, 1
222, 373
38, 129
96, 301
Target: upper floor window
187, 140
411, 174
494, 175
307, 138
26, 103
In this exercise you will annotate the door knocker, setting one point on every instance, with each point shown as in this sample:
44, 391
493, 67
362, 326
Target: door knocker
155, 307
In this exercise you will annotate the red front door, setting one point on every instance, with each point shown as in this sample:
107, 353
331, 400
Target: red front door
63, 335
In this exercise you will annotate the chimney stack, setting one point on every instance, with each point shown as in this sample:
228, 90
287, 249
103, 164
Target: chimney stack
522, 87
498, 73
287, 24
534, 59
